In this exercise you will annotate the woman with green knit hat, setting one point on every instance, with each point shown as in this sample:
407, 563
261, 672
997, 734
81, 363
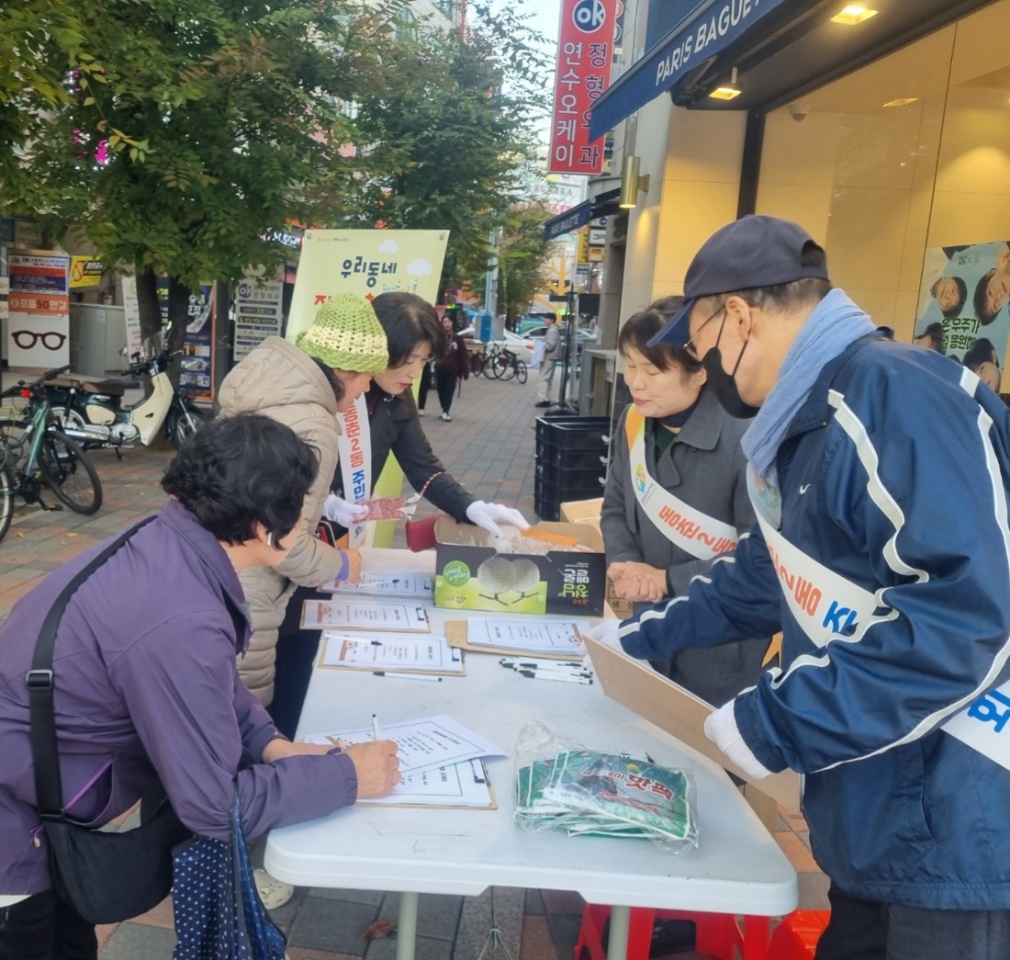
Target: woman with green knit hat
304, 385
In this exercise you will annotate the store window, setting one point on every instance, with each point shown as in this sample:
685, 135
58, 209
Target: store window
902, 171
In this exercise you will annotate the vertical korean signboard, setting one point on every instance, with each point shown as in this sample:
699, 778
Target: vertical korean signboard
585, 53
39, 304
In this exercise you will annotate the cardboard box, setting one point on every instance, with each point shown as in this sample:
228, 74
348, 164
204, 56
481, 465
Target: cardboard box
588, 512
470, 574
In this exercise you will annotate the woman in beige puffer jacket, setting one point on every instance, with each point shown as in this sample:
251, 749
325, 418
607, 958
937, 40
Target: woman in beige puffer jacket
282, 381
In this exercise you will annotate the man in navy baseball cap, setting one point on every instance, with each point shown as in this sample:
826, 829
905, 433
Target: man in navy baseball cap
894, 675
749, 253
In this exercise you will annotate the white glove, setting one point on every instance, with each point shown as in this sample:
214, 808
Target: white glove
721, 729
489, 515
342, 512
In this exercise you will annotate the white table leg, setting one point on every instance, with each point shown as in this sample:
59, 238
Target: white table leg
406, 927
617, 945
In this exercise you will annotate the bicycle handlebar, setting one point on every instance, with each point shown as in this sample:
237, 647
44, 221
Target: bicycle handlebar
21, 385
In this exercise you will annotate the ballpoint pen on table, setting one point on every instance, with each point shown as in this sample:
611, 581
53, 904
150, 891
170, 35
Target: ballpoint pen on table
375, 727
405, 676
560, 677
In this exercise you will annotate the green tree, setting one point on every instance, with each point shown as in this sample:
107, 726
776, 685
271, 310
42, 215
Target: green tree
190, 133
449, 141
522, 253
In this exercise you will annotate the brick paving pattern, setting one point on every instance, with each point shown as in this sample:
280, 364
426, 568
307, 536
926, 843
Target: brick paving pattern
489, 447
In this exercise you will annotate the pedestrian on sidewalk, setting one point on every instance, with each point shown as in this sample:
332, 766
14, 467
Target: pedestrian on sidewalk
548, 359
427, 377
146, 684
893, 686
453, 366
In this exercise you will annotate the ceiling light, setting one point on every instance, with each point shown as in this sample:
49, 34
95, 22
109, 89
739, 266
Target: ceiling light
853, 13
901, 102
727, 91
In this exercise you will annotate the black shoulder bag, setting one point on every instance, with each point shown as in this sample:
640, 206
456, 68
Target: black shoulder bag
106, 876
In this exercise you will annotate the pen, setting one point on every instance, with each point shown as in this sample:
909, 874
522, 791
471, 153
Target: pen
375, 727
406, 676
563, 678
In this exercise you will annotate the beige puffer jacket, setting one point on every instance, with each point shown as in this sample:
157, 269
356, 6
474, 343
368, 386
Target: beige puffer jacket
281, 382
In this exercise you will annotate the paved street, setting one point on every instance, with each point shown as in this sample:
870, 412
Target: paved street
489, 447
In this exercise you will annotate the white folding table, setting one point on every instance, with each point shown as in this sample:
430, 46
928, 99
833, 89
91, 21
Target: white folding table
737, 867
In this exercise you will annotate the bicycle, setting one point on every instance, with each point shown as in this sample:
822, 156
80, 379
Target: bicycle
505, 365
35, 452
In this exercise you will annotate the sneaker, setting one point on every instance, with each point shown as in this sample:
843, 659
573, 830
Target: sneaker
273, 892
446, 416
420, 411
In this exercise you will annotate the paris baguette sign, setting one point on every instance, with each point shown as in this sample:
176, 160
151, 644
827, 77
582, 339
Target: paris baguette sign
703, 33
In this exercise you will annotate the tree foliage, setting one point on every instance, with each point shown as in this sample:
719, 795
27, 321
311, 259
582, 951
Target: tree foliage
191, 132
522, 254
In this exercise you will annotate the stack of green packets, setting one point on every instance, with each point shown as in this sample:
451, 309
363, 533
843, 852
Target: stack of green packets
602, 795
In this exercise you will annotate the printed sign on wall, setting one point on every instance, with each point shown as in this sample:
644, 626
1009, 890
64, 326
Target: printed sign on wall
585, 54
963, 306
38, 331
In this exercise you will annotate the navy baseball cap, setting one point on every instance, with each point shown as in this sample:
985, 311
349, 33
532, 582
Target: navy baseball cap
754, 251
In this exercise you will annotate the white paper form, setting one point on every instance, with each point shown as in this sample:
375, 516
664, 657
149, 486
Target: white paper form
536, 636
424, 744
365, 614
457, 785
391, 653
385, 584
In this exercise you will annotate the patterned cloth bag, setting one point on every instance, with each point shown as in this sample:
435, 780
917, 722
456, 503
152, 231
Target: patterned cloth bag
218, 911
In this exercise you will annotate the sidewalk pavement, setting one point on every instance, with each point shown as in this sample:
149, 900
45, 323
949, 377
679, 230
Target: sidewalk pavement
489, 447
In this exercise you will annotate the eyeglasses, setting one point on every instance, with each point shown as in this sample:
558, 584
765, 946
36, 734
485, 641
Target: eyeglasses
689, 345
51, 340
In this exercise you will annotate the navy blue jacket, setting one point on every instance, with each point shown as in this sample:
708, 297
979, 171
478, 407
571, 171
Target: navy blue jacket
893, 475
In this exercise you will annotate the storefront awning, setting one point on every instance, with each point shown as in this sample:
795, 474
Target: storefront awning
578, 216
705, 32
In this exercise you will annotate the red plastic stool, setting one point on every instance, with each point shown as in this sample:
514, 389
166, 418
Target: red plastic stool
718, 935
795, 938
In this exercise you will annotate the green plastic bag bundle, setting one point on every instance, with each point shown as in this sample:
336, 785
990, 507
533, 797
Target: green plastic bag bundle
605, 795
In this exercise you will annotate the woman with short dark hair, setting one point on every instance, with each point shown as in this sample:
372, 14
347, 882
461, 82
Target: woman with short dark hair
676, 496
146, 684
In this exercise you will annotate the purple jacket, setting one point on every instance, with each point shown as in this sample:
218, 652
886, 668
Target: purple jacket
146, 677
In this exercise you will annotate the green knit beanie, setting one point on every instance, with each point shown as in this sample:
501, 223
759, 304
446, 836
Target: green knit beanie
346, 335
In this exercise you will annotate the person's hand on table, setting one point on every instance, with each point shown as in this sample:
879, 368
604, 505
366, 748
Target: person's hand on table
342, 512
279, 749
638, 582
489, 515
376, 765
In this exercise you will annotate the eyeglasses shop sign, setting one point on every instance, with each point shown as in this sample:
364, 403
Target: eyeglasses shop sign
38, 328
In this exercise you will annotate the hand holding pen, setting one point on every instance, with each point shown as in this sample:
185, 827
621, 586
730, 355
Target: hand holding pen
375, 763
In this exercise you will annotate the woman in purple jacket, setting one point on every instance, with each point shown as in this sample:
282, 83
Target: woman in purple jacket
147, 686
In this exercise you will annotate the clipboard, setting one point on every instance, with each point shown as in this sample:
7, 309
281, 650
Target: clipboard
418, 620
456, 635
635, 685
340, 637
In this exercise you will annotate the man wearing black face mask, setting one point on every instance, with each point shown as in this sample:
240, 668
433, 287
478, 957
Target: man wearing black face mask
894, 688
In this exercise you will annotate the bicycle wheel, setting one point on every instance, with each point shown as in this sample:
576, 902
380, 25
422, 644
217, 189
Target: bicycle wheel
494, 366
521, 373
508, 369
476, 364
68, 472
7, 491
182, 424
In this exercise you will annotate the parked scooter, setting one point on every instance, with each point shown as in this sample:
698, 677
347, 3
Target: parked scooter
92, 411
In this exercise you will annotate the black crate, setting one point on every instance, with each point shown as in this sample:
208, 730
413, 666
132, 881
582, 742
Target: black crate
588, 433
552, 428
585, 488
566, 477
553, 455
